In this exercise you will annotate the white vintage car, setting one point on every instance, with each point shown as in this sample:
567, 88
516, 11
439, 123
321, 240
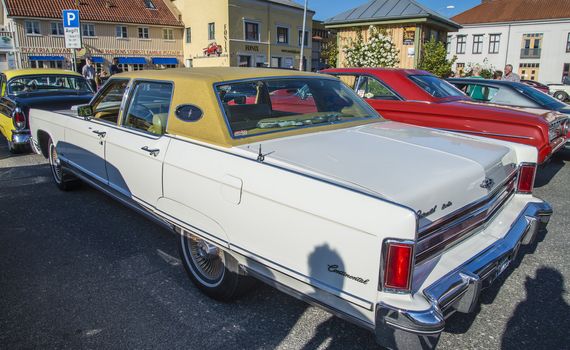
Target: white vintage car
293, 179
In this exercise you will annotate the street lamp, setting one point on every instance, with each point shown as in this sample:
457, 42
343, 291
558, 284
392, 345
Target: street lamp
303, 36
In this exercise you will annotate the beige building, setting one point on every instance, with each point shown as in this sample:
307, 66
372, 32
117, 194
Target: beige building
409, 23
141, 34
246, 33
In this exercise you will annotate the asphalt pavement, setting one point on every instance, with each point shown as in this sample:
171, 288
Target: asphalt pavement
80, 271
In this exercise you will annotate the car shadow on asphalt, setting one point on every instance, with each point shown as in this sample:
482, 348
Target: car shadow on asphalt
461, 323
545, 173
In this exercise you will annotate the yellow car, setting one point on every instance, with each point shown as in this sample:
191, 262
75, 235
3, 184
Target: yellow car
22, 89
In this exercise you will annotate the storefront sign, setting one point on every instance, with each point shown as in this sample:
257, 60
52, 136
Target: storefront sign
252, 48
291, 51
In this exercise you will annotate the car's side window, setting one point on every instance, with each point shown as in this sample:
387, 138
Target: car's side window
107, 104
149, 107
481, 92
369, 87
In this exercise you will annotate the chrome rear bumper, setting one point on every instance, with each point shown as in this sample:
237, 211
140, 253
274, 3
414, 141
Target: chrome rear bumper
459, 290
20, 137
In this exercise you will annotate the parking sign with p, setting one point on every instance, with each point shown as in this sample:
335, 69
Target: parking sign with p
71, 29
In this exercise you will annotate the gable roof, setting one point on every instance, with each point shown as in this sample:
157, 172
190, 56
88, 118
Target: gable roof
514, 11
384, 10
119, 11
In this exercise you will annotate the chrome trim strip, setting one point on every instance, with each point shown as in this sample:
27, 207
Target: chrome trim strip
488, 134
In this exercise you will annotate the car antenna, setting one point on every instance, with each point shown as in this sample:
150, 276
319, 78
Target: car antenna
261, 156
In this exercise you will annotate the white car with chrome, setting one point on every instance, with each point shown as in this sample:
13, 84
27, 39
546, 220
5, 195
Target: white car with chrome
293, 179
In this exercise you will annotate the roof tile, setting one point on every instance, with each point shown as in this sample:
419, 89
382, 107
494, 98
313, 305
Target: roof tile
514, 11
119, 11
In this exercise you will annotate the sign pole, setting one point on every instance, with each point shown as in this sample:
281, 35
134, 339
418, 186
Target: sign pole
303, 37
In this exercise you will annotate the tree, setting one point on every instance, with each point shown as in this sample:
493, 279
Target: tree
329, 50
434, 59
378, 51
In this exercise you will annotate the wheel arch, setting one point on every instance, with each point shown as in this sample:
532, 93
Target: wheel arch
43, 142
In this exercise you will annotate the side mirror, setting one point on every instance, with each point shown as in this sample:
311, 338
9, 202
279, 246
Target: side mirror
85, 111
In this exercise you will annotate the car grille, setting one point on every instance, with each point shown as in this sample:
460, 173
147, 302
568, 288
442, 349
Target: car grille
450, 230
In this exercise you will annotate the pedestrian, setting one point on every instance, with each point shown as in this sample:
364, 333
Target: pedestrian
498, 75
509, 75
89, 73
476, 72
114, 69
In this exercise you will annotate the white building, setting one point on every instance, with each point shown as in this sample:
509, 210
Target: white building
533, 36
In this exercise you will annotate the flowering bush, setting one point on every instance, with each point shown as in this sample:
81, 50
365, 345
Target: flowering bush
486, 70
378, 51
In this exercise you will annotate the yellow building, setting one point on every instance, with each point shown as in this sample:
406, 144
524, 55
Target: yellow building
409, 23
246, 33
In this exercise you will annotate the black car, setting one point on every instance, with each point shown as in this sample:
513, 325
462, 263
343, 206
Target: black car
49, 89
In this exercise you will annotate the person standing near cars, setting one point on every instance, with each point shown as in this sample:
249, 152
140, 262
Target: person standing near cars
89, 73
509, 75
114, 68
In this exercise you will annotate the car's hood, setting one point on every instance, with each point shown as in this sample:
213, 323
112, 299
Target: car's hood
417, 167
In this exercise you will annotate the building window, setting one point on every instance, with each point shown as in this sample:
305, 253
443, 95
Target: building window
244, 61
251, 31
56, 28
121, 32
188, 35
478, 43
494, 41
460, 67
143, 33
211, 31
46, 64
88, 29
529, 71
32, 28
531, 45
283, 35
461, 43
448, 44
306, 38
149, 5
168, 34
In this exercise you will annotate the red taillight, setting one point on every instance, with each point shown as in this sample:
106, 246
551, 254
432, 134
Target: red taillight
526, 178
19, 119
398, 266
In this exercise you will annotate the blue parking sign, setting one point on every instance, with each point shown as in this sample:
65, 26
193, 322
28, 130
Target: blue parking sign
71, 18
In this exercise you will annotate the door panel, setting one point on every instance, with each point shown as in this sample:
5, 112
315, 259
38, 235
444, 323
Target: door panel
84, 146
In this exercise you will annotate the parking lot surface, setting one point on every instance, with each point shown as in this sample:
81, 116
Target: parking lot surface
79, 270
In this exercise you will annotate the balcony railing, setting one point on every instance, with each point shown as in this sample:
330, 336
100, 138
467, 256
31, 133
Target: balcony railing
530, 53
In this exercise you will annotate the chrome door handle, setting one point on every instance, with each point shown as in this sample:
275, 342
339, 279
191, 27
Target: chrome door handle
152, 152
100, 133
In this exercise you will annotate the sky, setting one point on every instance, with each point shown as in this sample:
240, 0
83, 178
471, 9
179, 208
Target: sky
327, 8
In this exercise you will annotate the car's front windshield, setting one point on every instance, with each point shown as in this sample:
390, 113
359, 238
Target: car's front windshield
270, 105
436, 87
32, 84
540, 97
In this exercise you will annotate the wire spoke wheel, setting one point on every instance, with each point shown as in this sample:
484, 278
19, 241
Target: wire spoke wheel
55, 163
206, 261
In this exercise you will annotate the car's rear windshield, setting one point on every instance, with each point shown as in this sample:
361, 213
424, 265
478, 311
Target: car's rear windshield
261, 106
540, 97
31, 84
436, 87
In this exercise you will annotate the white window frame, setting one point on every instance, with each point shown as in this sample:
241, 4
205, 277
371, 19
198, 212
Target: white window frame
480, 44
145, 32
496, 44
90, 30
213, 31
34, 26
58, 26
168, 34
124, 34
245, 22
463, 43
288, 34
188, 35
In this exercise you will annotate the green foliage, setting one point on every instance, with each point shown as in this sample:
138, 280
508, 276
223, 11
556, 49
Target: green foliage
377, 51
434, 59
330, 50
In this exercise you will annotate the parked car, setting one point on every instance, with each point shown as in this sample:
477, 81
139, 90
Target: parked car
325, 205
560, 92
420, 98
22, 89
536, 85
513, 94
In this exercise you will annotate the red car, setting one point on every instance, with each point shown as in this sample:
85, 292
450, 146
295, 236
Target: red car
420, 98
536, 85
